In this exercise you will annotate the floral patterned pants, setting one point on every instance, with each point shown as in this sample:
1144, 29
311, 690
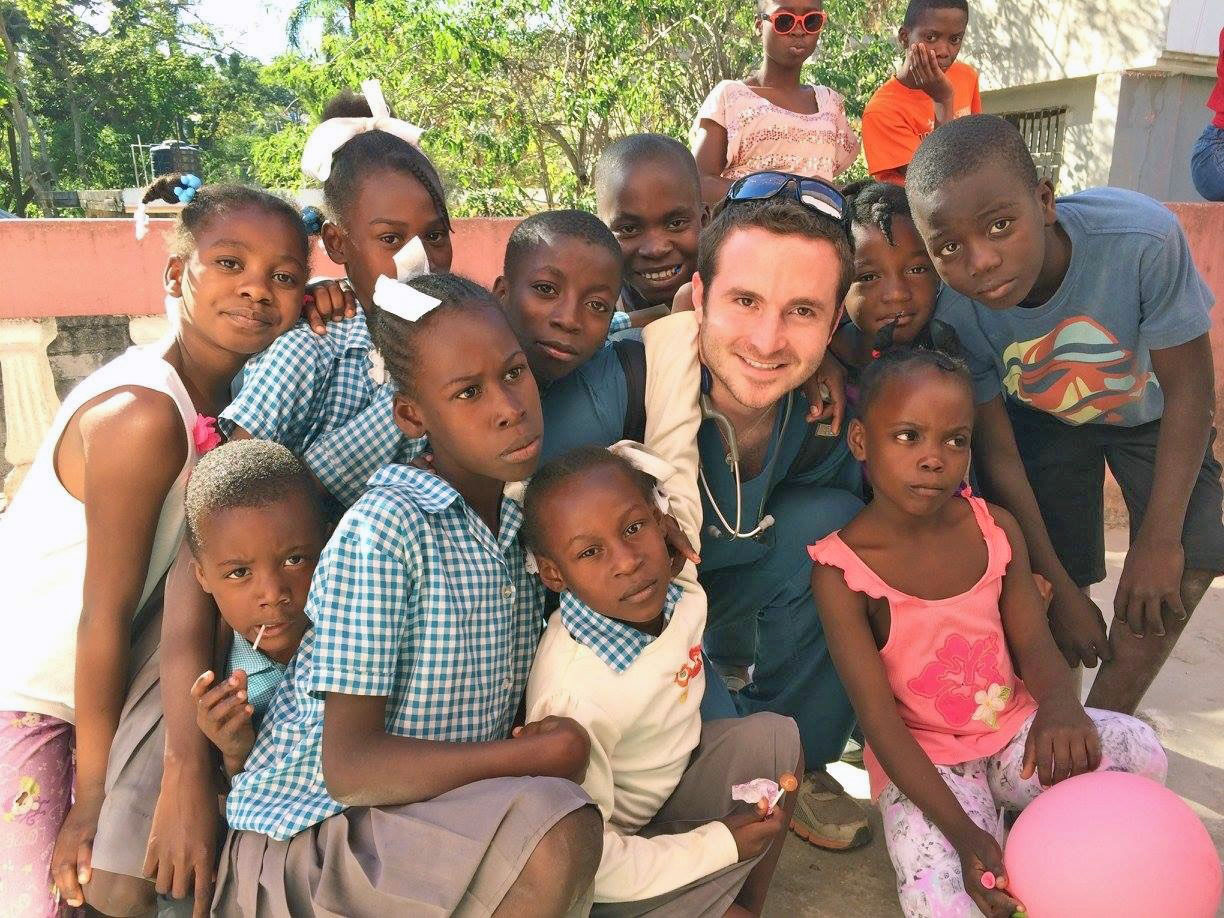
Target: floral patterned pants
929, 881
36, 770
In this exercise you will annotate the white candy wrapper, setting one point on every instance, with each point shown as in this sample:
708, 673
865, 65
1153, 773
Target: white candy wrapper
757, 790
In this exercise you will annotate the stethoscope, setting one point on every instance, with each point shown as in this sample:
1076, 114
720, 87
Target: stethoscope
728, 433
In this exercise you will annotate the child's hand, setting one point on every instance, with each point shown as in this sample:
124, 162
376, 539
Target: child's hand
980, 854
1078, 627
1061, 742
678, 544
565, 747
327, 301
71, 859
683, 300
223, 715
1150, 583
920, 70
826, 393
753, 833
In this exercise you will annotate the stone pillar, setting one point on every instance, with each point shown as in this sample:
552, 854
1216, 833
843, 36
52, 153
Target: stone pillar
147, 329
30, 401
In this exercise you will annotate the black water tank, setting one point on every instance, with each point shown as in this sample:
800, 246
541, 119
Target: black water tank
175, 156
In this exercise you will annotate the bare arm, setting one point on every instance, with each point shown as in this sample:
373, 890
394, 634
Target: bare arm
364, 765
133, 447
710, 151
1151, 576
1079, 627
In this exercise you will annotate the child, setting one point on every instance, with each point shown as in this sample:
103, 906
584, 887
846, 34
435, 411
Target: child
98, 522
930, 611
892, 296
391, 733
309, 392
255, 529
931, 88
1089, 314
771, 121
648, 192
623, 658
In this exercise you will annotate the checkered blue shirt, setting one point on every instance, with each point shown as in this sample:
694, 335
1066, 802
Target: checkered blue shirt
616, 643
413, 599
264, 675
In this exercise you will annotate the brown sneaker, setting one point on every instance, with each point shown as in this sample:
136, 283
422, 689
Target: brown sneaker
826, 816
735, 676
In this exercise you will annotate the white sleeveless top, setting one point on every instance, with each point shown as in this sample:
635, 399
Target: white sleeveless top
42, 548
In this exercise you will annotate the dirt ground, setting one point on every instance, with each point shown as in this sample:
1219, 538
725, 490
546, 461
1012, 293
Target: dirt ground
1185, 704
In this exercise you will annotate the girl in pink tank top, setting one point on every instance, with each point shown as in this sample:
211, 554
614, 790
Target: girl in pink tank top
931, 612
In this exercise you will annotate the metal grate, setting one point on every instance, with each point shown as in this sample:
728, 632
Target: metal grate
1042, 129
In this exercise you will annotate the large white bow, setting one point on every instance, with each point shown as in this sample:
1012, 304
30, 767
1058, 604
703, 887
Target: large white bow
334, 133
395, 296
648, 463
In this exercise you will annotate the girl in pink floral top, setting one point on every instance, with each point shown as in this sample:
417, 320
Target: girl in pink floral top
931, 612
771, 121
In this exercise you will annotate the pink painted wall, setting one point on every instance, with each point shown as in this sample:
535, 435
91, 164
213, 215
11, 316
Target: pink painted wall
96, 267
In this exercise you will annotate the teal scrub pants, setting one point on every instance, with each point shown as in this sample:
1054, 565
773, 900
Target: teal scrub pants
761, 612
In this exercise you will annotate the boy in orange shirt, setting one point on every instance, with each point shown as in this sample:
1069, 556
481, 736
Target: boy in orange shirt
931, 87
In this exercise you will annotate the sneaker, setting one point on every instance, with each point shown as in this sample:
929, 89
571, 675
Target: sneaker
853, 753
735, 677
826, 816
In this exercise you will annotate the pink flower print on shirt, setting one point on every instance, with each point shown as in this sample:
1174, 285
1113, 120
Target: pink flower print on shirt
956, 675
204, 433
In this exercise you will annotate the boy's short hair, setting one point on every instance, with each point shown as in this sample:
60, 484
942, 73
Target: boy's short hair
243, 473
959, 147
567, 465
902, 361
783, 216
876, 204
553, 225
640, 148
916, 8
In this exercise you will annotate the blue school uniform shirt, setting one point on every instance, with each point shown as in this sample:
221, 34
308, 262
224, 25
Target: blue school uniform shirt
614, 642
1085, 355
413, 599
264, 675
838, 469
314, 395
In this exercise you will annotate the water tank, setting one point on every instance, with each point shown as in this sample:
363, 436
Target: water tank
175, 156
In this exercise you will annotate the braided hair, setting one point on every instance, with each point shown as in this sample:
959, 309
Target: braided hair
213, 202
372, 151
399, 341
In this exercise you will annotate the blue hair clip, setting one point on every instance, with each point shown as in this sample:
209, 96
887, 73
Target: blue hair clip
312, 219
186, 188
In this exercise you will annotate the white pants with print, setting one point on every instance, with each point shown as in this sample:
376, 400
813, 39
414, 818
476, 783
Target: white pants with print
929, 881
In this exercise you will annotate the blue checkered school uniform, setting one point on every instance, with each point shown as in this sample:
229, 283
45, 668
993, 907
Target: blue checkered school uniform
413, 599
314, 394
264, 675
616, 643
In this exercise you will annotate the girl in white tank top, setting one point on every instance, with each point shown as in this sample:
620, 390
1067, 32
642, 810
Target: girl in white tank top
99, 520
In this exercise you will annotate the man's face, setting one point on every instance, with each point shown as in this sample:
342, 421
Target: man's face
767, 315
655, 211
986, 234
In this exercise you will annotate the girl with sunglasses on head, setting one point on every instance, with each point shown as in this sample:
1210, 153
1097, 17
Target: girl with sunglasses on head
770, 120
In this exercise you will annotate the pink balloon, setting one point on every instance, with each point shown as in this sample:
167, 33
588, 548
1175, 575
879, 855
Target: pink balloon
1112, 845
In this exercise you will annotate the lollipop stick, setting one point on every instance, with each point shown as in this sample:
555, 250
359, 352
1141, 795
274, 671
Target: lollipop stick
259, 637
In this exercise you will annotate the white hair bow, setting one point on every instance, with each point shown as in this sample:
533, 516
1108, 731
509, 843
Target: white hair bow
395, 296
334, 133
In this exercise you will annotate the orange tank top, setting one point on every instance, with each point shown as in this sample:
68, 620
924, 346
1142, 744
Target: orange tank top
946, 659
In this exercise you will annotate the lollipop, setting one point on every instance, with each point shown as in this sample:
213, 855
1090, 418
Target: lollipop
764, 792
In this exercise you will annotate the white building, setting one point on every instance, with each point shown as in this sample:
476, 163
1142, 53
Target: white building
1108, 92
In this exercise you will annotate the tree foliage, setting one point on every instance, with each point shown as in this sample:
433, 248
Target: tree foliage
519, 96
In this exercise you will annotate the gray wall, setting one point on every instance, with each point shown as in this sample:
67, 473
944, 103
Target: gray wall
1160, 116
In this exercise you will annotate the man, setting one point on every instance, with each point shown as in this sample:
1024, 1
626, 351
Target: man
772, 270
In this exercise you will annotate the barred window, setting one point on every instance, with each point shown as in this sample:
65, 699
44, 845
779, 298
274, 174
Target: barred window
1042, 130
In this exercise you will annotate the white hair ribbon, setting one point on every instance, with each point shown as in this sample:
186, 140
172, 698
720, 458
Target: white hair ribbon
141, 218
647, 463
402, 301
411, 260
334, 133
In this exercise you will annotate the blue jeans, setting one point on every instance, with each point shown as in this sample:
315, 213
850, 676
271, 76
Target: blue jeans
1207, 163
762, 611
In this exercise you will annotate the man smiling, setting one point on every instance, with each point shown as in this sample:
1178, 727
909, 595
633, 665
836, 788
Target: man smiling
772, 269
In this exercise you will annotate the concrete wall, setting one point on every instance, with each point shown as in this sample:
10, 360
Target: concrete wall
1160, 116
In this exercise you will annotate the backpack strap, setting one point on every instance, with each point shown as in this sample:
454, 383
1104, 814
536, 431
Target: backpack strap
632, 357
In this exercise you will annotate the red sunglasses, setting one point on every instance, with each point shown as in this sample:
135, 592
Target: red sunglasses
784, 23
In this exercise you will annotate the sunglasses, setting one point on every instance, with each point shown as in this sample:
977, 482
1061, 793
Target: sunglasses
812, 193
784, 23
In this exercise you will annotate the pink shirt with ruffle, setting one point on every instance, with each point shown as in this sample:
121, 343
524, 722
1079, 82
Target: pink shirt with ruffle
946, 659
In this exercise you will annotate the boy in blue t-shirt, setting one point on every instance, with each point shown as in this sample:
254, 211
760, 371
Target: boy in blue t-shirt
1086, 326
